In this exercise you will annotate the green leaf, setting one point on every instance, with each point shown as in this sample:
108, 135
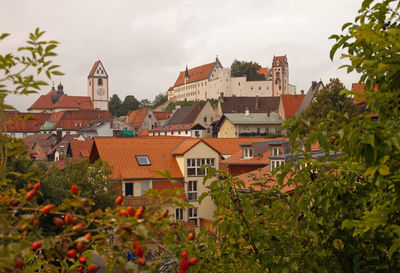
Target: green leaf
384, 170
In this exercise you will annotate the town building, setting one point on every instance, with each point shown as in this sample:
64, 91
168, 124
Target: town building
250, 125
212, 80
141, 119
192, 121
22, 124
69, 122
98, 87
57, 100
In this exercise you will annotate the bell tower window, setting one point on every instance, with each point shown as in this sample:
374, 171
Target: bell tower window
100, 82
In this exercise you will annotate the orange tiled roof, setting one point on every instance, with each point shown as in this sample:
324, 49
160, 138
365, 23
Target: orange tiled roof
291, 103
44, 102
198, 73
185, 146
263, 174
263, 70
72, 120
25, 122
120, 154
162, 115
93, 68
81, 148
237, 159
136, 117
230, 145
144, 132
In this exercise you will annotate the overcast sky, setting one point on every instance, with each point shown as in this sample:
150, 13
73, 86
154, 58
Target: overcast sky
143, 45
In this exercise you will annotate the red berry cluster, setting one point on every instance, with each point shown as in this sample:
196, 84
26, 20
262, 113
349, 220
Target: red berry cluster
186, 262
139, 252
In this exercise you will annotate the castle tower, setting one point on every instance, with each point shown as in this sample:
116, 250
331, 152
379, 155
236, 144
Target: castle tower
280, 76
98, 86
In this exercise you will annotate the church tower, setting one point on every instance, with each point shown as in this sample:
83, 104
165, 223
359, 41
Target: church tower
98, 86
280, 76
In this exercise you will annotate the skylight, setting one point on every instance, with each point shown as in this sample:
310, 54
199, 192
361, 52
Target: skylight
143, 160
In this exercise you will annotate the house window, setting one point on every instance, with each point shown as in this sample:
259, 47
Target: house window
192, 190
239, 83
247, 152
194, 165
212, 119
143, 160
276, 163
128, 189
259, 88
193, 215
205, 119
144, 186
186, 132
179, 214
278, 130
266, 130
150, 116
90, 83
99, 82
277, 151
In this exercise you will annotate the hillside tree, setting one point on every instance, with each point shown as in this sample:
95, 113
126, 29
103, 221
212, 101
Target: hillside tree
246, 69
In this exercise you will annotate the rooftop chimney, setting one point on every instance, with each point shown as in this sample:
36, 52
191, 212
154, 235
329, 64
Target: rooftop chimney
59, 134
302, 91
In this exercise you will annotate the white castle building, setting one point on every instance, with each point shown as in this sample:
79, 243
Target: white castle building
212, 80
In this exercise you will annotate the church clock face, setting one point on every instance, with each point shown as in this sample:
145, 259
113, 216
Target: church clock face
100, 92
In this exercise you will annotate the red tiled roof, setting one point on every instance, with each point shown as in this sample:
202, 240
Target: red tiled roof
282, 60
230, 145
263, 175
81, 148
44, 102
120, 154
72, 120
198, 73
93, 68
291, 103
25, 122
144, 132
360, 88
162, 115
136, 117
185, 146
237, 159
263, 70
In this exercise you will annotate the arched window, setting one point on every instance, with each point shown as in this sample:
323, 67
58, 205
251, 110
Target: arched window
100, 82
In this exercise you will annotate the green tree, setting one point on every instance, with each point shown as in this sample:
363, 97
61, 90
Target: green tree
144, 103
130, 103
92, 179
160, 99
248, 69
115, 105
328, 99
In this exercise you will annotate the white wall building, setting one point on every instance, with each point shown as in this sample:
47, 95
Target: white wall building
211, 80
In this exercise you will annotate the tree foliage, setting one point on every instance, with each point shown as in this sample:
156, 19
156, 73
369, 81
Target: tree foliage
159, 99
246, 69
115, 106
330, 98
130, 103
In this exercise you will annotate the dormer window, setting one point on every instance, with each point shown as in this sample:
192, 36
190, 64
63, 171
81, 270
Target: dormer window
143, 160
248, 152
277, 151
